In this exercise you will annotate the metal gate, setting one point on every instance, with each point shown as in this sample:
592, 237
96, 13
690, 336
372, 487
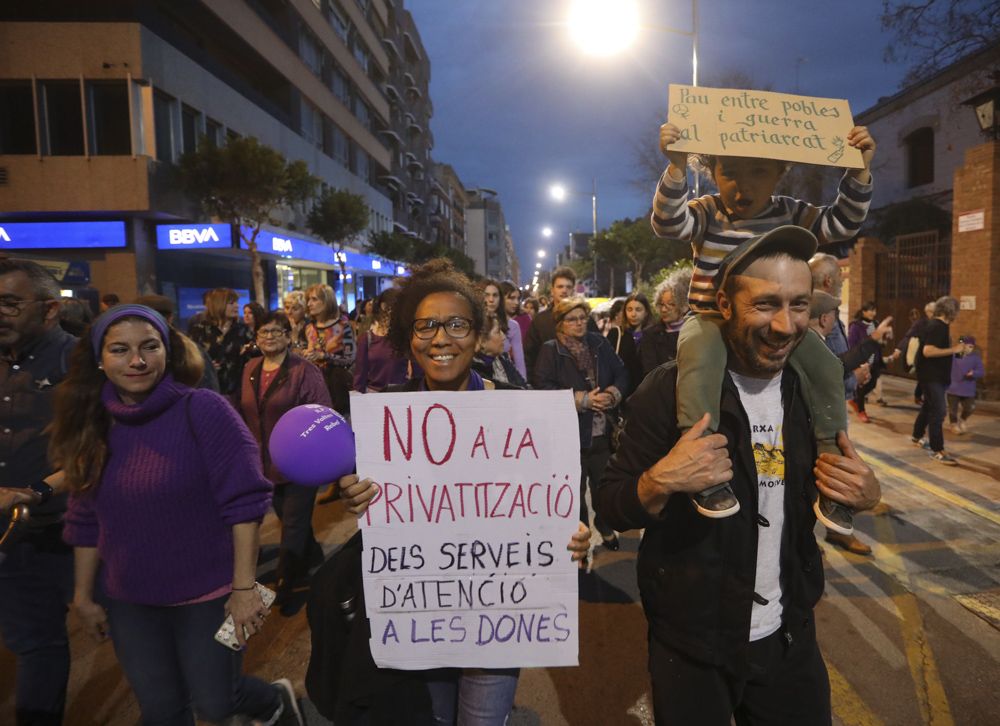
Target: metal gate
912, 271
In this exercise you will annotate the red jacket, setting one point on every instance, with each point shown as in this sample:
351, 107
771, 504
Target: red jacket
297, 382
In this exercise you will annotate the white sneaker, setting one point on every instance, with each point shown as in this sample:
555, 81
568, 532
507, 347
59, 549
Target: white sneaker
962, 427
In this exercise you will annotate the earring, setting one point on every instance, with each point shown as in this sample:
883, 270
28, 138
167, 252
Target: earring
100, 366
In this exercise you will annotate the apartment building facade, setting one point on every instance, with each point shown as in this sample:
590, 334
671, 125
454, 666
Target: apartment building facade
98, 101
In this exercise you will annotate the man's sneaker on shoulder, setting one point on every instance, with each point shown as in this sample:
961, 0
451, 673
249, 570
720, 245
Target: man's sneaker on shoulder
943, 457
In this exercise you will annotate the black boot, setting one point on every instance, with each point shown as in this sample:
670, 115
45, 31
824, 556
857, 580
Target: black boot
288, 574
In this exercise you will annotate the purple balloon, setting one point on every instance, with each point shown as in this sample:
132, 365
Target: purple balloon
312, 445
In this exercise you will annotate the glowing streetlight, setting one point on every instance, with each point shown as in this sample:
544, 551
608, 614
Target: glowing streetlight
541, 253
604, 27
546, 231
558, 192
538, 265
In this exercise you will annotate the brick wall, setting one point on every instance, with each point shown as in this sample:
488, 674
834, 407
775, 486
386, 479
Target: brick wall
975, 271
861, 273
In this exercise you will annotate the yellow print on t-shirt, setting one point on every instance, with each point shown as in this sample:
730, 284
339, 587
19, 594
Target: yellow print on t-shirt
770, 460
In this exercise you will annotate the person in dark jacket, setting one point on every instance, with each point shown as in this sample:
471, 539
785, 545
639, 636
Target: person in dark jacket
585, 363
622, 342
729, 601
934, 357
272, 385
659, 340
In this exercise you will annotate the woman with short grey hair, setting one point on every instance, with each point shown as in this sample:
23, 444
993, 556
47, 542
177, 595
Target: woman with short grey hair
659, 341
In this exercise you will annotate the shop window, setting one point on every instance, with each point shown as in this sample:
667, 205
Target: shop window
17, 118
189, 129
163, 111
63, 117
920, 157
110, 133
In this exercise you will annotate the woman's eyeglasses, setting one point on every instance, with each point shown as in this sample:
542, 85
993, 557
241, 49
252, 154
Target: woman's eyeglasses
426, 328
271, 332
575, 319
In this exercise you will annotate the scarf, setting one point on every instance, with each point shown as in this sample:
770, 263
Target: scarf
580, 351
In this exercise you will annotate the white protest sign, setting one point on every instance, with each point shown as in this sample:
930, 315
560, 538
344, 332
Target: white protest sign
465, 561
763, 124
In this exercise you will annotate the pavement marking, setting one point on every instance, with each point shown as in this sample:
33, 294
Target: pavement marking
931, 698
934, 489
984, 604
847, 704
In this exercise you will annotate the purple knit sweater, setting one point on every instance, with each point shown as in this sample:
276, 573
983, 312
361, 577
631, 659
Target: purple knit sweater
182, 469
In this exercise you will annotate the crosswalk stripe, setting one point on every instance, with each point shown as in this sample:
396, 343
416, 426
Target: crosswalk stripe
847, 704
933, 489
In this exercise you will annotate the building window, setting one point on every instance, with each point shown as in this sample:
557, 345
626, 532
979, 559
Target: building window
310, 52
110, 133
361, 112
920, 157
163, 125
359, 52
337, 18
340, 86
339, 145
189, 129
360, 163
312, 123
17, 118
213, 130
63, 117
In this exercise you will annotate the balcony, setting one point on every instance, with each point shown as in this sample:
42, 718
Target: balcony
392, 92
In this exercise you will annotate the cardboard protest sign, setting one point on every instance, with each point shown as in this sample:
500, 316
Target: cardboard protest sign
730, 122
465, 560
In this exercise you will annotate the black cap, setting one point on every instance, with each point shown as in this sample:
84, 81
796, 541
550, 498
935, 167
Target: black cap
798, 242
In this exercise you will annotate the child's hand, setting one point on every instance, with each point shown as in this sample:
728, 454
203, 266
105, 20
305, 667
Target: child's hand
860, 139
669, 135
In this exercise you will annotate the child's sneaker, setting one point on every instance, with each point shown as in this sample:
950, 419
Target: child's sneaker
943, 457
716, 502
834, 516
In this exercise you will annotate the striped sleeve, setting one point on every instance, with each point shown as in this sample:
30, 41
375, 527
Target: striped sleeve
841, 220
673, 216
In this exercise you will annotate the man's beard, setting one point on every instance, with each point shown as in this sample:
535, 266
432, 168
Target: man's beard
758, 351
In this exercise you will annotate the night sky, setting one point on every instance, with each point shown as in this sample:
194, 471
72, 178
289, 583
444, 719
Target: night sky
517, 106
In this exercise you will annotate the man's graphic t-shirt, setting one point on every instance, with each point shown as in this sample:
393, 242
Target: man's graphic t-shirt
761, 400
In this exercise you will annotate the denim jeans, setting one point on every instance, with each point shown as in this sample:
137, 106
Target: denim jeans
472, 697
35, 587
931, 416
171, 659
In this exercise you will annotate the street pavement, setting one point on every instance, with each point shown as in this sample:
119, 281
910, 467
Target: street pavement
910, 634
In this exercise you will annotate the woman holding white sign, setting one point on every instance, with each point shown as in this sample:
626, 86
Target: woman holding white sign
437, 320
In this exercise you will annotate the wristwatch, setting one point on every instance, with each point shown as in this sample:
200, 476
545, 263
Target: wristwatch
43, 490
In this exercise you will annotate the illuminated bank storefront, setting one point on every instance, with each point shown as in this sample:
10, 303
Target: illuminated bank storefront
74, 252
192, 258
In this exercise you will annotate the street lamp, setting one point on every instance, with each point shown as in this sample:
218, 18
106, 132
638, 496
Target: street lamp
606, 27
541, 253
546, 231
538, 265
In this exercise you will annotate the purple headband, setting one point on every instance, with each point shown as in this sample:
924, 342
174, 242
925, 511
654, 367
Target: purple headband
113, 315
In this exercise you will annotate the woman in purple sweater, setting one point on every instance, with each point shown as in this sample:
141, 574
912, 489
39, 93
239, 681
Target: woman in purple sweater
272, 385
167, 494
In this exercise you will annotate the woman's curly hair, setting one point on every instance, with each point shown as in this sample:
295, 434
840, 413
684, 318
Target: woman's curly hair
437, 275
